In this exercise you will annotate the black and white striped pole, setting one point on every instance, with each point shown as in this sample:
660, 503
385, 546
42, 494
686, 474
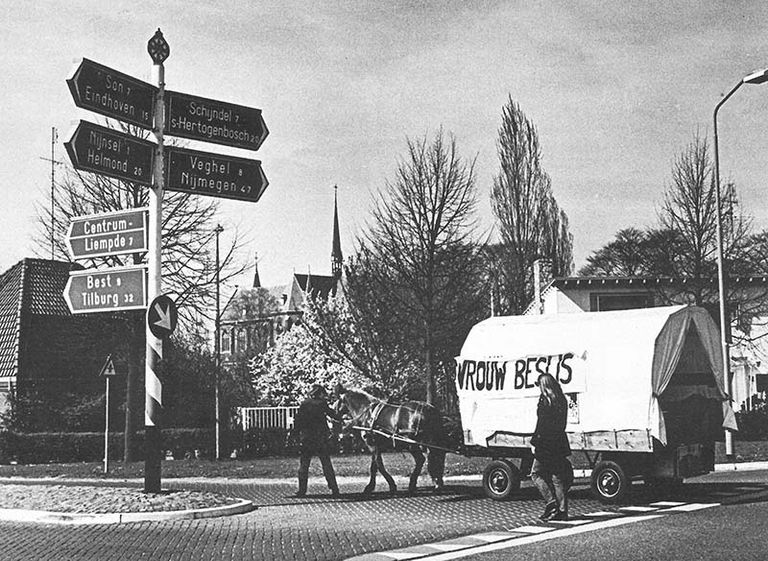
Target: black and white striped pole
153, 401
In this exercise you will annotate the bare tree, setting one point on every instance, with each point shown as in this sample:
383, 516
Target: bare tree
530, 223
189, 268
689, 209
423, 244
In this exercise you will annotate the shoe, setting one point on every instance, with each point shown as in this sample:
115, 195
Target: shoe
560, 516
549, 510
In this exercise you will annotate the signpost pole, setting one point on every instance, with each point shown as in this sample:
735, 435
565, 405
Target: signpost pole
106, 427
158, 50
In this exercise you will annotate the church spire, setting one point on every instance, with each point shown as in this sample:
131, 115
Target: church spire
256, 280
336, 257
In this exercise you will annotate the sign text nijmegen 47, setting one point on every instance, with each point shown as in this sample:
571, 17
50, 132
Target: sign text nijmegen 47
216, 175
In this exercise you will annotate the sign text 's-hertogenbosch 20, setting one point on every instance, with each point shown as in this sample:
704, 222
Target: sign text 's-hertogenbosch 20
110, 290
216, 175
108, 152
214, 121
114, 94
113, 233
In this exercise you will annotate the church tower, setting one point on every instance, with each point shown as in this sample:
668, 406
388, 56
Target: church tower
336, 256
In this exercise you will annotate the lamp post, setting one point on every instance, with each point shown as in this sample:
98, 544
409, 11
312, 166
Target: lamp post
218, 230
757, 77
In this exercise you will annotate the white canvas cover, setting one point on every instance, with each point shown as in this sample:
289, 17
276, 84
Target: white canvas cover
614, 365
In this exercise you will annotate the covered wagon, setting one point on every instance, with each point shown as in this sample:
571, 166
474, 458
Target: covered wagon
645, 389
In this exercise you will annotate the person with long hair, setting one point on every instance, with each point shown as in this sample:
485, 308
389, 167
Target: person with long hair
551, 472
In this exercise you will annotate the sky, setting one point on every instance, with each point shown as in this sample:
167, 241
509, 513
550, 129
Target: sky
616, 90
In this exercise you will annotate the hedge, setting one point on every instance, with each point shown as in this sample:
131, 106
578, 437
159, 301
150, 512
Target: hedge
68, 447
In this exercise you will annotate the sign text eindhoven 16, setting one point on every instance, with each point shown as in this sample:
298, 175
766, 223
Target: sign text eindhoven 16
198, 118
114, 94
108, 152
111, 290
216, 175
114, 233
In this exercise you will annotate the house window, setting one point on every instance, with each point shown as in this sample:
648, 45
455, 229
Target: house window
241, 345
226, 341
619, 301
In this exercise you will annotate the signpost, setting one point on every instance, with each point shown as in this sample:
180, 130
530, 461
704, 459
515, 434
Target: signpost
110, 290
198, 118
111, 93
115, 154
108, 370
108, 152
216, 175
113, 233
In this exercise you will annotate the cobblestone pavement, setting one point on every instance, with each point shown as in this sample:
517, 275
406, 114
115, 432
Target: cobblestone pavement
318, 527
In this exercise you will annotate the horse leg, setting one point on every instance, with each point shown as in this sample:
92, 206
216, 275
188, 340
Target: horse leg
418, 458
436, 467
390, 481
372, 483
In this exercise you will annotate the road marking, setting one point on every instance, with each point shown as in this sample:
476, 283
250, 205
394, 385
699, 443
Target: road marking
691, 507
535, 538
492, 537
638, 509
532, 529
532, 534
449, 546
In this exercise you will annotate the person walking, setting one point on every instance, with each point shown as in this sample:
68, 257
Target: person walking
312, 428
551, 472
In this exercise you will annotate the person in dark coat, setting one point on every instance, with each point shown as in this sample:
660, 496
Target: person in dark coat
551, 472
312, 428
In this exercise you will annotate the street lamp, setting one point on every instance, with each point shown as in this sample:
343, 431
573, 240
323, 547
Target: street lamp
217, 374
757, 77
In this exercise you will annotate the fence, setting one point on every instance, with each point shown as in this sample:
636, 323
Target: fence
267, 417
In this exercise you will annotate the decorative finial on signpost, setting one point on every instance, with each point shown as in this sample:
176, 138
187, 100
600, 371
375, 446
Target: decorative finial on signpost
158, 47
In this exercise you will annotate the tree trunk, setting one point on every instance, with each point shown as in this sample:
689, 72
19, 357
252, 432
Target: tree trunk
428, 365
133, 377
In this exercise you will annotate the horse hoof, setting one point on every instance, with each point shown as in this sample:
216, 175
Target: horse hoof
392, 492
367, 492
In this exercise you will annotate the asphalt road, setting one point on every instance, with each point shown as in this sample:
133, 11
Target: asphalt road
319, 527
729, 532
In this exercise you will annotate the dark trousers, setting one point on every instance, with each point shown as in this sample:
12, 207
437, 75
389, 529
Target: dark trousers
553, 479
308, 450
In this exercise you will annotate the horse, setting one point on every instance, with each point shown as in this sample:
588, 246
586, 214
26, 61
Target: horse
411, 426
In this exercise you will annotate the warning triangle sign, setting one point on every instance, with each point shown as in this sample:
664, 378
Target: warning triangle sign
109, 368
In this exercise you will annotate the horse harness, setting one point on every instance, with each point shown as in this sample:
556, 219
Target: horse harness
375, 410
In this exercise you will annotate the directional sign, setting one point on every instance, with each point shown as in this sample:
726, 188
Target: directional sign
216, 175
214, 121
108, 152
108, 290
162, 316
109, 367
112, 233
114, 94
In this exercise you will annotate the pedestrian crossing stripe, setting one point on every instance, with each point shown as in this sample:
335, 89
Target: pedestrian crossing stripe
524, 534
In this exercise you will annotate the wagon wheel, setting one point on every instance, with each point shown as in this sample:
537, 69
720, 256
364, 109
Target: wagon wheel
501, 478
609, 482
